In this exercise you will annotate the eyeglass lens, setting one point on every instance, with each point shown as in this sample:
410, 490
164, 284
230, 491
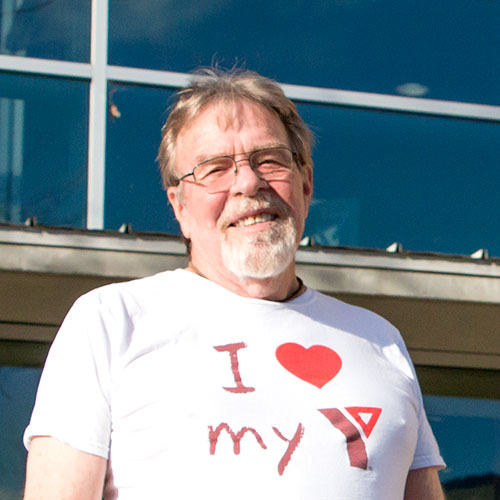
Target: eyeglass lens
217, 174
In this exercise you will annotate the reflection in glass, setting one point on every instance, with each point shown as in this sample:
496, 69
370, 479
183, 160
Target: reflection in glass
17, 396
441, 50
468, 433
51, 29
134, 192
43, 150
429, 183
334, 222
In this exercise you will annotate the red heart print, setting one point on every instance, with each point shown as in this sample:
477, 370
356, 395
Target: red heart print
317, 365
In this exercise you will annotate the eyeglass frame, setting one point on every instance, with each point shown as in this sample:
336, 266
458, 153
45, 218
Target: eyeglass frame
235, 162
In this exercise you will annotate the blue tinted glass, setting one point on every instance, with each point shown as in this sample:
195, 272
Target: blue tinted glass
17, 396
468, 433
134, 192
43, 149
46, 28
429, 183
443, 50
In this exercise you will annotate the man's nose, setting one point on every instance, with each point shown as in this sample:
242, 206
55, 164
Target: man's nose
246, 180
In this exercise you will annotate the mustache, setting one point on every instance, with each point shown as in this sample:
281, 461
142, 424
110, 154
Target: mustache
263, 200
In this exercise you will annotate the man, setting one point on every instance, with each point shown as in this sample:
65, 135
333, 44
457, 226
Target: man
230, 379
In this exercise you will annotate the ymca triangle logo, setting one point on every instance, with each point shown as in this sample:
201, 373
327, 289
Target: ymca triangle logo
365, 416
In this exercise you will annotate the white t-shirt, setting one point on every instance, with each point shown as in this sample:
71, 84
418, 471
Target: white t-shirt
192, 391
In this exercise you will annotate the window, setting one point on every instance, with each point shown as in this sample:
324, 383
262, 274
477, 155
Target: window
43, 149
49, 29
17, 396
440, 50
425, 181
134, 192
468, 433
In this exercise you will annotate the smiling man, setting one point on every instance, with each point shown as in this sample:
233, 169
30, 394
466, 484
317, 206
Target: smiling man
230, 379
244, 200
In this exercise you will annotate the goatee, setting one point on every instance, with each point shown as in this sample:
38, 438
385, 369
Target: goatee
265, 254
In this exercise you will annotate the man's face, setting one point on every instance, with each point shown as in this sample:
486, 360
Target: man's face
253, 228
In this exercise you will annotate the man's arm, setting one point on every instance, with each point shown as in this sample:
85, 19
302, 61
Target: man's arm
423, 484
55, 470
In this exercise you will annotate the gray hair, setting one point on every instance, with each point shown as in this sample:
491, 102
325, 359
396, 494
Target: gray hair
215, 85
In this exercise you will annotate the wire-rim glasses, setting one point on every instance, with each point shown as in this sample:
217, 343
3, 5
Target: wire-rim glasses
217, 174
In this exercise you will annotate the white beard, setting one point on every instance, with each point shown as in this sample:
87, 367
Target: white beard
267, 253
263, 255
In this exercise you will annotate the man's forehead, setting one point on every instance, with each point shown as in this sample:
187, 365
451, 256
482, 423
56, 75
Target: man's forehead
233, 113
232, 116
228, 114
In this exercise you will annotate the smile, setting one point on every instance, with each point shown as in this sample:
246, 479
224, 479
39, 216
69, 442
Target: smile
255, 219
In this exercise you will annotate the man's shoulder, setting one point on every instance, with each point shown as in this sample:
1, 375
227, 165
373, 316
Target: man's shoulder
164, 287
350, 317
117, 309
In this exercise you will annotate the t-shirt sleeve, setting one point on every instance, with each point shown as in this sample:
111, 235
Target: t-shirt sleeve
427, 450
72, 402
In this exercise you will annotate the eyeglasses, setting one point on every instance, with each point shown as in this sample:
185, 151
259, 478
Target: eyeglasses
217, 174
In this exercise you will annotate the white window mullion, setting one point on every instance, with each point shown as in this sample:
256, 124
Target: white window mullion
47, 67
313, 95
97, 115
385, 102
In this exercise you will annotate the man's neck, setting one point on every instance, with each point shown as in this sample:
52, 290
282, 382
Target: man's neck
281, 288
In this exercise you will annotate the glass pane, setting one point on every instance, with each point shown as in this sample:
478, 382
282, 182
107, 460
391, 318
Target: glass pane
134, 192
43, 149
441, 50
17, 396
429, 183
49, 29
468, 433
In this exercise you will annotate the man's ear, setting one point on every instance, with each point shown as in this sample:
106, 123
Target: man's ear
175, 197
307, 186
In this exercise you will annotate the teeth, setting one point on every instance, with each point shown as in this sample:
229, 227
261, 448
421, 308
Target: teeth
248, 221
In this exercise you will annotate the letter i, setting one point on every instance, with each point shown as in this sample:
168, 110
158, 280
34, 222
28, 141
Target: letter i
232, 349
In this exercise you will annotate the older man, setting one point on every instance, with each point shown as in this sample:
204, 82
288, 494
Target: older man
230, 379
